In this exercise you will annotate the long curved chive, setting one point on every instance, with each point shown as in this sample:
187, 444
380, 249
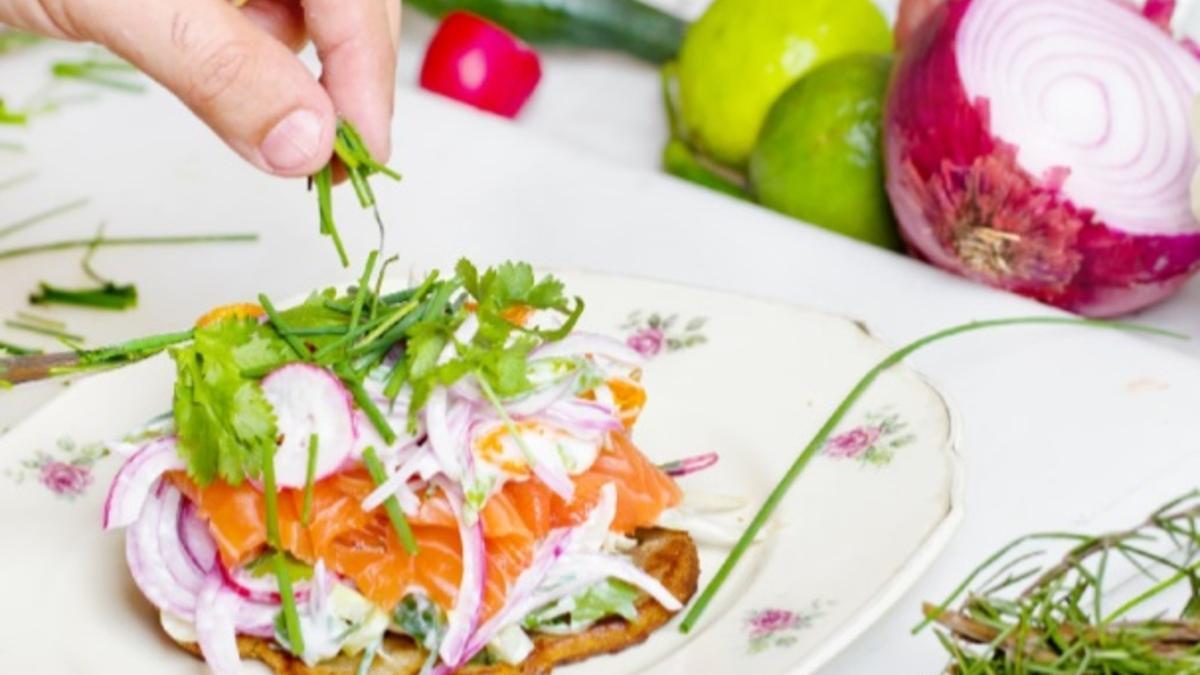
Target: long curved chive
360, 294
42, 330
818, 441
291, 617
391, 504
281, 328
17, 350
310, 475
30, 221
125, 241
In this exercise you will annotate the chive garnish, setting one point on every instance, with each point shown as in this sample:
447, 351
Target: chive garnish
363, 399
291, 617
40, 320
42, 330
310, 476
30, 221
282, 329
818, 441
125, 241
17, 350
360, 294
391, 504
323, 180
107, 296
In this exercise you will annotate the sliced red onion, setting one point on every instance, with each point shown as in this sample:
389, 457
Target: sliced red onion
148, 564
548, 466
419, 462
137, 477
1043, 148
263, 590
448, 452
468, 604
307, 400
179, 562
582, 415
216, 620
540, 399
689, 465
197, 540
466, 389
599, 566
590, 344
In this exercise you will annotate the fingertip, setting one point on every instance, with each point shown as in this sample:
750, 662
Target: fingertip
298, 144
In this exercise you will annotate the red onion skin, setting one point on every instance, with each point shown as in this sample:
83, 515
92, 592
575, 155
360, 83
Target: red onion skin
937, 144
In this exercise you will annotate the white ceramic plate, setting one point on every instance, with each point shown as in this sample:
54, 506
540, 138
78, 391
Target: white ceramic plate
748, 379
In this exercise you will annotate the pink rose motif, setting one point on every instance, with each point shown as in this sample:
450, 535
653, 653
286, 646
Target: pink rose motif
853, 443
647, 341
773, 620
65, 479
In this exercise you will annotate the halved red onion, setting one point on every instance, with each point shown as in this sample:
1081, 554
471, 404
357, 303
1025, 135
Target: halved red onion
134, 481
590, 344
468, 604
1043, 148
148, 564
216, 621
307, 400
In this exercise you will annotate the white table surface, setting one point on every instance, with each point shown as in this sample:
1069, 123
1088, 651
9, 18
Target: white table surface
1060, 428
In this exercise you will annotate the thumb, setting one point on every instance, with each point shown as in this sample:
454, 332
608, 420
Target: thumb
248, 87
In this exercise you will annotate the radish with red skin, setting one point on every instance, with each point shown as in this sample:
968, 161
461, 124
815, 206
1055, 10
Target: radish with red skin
479, 63
307, 400
1043, 148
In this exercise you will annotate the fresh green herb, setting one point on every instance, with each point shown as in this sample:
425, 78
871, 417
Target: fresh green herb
421, 619
1064, 621
107, 296
126, 241
41, 320
310, 476
40, 329
112, 74
392, 505
360, 295
372, 411
17, 350
818, 441
223, 420
37, 218
580, 612
352, 152
12, 117
282, 329
283, 575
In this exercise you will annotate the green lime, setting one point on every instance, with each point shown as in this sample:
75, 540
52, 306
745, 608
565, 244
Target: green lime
741, 55
819, 157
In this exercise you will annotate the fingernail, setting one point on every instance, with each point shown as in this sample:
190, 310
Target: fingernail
294, 142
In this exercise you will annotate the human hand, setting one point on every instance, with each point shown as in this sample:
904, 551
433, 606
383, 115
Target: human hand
237, 70
912, 13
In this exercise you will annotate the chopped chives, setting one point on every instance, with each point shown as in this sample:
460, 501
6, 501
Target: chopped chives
310, 476
282, 329
391, 504
125, 241
41, 320
17, 350
323, 180
107, 296
271, 498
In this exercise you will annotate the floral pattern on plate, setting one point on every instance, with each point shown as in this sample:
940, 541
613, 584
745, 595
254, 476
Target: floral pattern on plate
654, 333
66, 471
774, 627
874, 442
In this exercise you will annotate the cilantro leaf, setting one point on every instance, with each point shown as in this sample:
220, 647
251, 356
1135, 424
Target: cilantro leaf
222, 417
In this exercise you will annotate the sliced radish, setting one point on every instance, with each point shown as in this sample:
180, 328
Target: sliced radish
136, 479
308, 400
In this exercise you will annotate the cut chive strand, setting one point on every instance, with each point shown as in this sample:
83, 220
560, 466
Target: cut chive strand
125, 241
30, 221
282, 575
281, 328
360, 294
41, 320
310, 475
818, 441
372, 411
17, 350
391, 504
42, 330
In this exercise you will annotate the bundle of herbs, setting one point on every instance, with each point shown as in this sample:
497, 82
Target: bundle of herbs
1125, 602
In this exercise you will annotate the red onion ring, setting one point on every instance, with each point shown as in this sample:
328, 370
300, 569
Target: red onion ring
135, 480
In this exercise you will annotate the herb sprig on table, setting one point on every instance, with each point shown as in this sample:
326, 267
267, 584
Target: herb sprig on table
1019, 617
